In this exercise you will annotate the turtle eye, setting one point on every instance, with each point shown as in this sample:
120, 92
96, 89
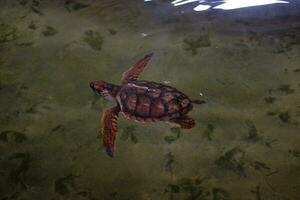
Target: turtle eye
92, 85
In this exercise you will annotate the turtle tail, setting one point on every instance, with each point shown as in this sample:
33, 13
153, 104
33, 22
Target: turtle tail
198, 101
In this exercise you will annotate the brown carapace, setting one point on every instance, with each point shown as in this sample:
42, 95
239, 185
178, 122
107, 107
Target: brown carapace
143, 102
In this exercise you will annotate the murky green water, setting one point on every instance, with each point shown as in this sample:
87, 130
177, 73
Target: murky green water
245, 63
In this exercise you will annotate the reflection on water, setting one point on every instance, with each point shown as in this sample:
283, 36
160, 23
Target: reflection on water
235, 4
244, 63
226, 4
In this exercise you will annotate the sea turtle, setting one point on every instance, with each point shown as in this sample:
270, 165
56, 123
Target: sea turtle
143, 102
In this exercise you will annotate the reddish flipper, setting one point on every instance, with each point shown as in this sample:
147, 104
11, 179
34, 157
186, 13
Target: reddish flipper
109, 130
136, 69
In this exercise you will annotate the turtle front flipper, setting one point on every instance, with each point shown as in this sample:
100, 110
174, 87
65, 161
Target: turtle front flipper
134, 72
185, 122
109, 123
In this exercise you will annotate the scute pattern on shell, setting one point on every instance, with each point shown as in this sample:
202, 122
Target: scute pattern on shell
147, 101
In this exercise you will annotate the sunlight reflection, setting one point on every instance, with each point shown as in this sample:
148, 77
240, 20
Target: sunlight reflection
202, 7
234, 4
226, 4
179, 3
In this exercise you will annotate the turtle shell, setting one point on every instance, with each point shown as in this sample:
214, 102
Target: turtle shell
146, 101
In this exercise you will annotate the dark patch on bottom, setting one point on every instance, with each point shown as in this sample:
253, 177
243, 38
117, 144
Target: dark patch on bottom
261, 166
296, 70
208, 132
24, 44
17, 174
58, 128
284, 116
129, 132
49, 31
172, 138
189, 188
220, 194
2, 85
271, 113
256, 191
269, 143
194, 189
252, 132
64, 185
294, 153
269, 99
13, 196
112, 31
71, 5
233, 160
285, 88
169, 167
12, 136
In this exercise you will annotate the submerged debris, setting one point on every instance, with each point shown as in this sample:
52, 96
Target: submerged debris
192, 43
233, 160
93, 39
49, 31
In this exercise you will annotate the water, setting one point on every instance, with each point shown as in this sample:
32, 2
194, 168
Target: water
244, 63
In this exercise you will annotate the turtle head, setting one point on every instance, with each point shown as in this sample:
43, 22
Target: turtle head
104, 89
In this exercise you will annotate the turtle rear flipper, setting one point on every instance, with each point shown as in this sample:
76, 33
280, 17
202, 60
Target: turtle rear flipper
109, 129
185, 122
134, 72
